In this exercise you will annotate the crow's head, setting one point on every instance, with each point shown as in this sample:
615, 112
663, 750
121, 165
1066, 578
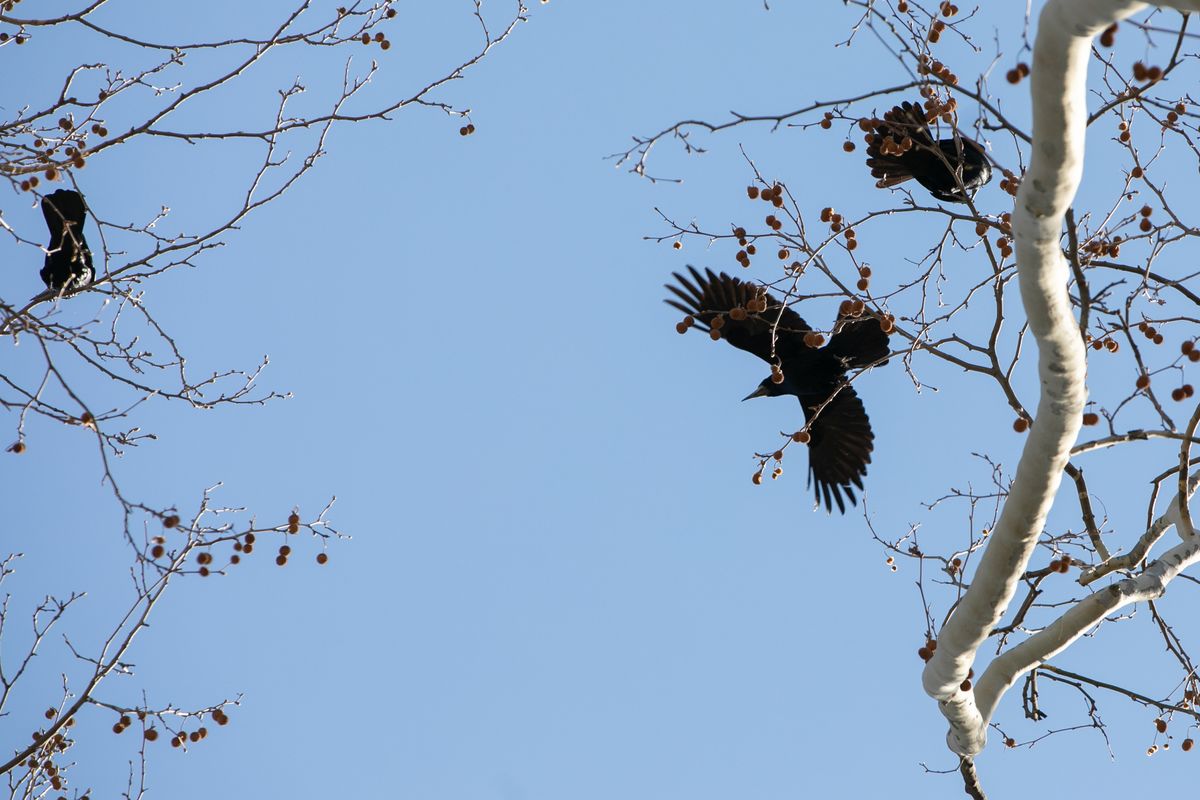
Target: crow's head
768, 388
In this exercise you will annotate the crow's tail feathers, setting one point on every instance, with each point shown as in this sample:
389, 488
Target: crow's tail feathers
65, 205
889, 171
859, 342
899, 144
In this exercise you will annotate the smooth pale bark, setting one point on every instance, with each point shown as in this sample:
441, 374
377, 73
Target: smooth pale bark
1058, 89
1002, 673
1169, 519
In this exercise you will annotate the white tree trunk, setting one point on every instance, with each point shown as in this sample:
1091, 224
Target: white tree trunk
1058, 87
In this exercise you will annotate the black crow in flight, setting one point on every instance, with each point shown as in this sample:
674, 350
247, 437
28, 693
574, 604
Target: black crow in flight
840, 438
902, 147
68, 266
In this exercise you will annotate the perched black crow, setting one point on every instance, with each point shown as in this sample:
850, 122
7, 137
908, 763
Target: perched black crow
840, 438
68, 265
902, 148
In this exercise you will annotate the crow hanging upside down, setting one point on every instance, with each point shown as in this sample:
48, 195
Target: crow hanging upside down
68, 266
902, 147
840, 437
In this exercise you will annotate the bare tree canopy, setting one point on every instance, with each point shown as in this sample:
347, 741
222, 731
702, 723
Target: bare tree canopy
961, 236
1062, 250
239, 106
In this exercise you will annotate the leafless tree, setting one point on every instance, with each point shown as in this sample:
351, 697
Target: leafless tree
81, 349
1102, 281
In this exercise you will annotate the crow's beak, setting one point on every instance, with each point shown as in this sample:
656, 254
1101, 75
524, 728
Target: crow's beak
761, 391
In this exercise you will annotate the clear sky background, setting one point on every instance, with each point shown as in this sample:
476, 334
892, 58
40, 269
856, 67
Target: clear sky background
561, 583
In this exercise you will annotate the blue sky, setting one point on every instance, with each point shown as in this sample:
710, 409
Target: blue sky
561, 582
